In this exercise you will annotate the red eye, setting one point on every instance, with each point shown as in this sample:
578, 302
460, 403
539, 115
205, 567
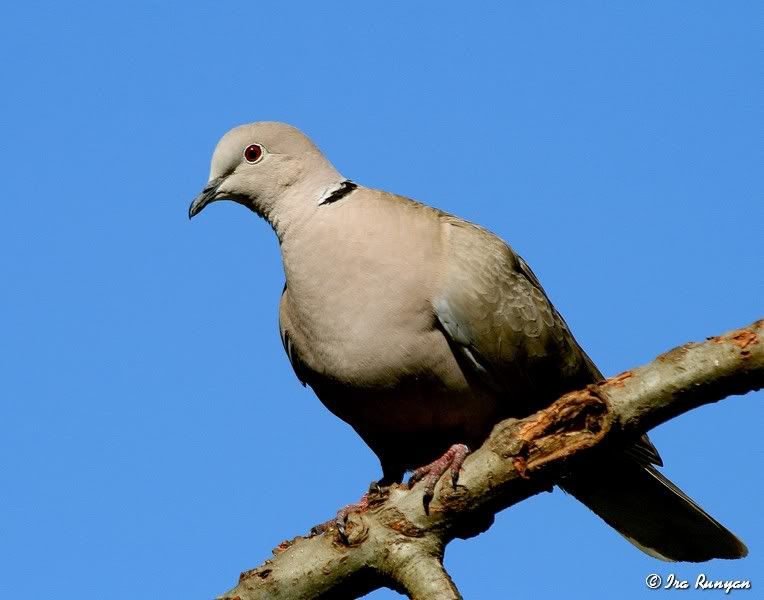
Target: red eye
253, 153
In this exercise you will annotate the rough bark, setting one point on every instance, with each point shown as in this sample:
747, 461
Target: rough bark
397, 544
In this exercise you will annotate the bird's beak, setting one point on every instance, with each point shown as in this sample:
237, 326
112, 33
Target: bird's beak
209, 194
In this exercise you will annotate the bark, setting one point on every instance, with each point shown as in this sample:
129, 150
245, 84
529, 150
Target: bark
398, 544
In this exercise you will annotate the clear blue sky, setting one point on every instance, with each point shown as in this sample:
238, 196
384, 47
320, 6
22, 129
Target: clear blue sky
153, 439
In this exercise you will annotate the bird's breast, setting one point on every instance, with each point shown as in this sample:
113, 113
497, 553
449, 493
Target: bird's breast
358, 298
358, 310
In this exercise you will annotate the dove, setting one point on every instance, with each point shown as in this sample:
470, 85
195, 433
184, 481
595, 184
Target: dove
422, 330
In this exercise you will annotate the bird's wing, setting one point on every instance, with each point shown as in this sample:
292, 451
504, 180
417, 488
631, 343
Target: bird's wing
286, 341
498, 317
502, 325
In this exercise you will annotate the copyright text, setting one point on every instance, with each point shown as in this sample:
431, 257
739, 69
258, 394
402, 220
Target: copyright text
701, 582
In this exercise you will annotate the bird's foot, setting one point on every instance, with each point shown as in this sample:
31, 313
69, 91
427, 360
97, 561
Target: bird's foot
340, 520
452, 460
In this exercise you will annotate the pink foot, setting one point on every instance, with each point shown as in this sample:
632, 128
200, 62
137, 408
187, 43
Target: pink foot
341, 518
452, 459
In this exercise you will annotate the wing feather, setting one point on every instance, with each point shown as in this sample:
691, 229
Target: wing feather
500, 321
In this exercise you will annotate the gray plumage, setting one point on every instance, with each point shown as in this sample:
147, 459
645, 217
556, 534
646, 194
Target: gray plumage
422, 330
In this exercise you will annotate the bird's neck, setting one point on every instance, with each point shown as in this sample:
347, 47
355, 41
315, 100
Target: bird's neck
299, 204
313, 237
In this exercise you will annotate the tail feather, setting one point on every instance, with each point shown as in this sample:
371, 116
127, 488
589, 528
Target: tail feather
652, 513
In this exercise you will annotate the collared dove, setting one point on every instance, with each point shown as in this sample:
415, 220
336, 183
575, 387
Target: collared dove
422, 331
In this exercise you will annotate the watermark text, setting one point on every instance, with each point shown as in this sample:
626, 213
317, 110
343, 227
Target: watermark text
701, 582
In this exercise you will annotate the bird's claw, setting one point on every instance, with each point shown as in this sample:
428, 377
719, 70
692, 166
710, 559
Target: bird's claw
452, 460
340, 525
339, 522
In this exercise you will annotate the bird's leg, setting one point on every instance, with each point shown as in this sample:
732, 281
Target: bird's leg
452, 460
341, 518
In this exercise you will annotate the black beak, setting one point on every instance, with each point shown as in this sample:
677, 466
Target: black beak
209, 194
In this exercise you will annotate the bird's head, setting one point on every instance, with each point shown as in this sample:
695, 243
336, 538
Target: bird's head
269, 167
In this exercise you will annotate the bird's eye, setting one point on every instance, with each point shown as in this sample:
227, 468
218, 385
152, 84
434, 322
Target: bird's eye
253, 153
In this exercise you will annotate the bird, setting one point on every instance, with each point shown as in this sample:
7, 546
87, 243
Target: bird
422, 330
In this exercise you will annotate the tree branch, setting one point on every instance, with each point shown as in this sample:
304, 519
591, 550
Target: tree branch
395, 543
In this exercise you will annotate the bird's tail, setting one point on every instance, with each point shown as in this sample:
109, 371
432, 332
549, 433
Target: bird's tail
652, 513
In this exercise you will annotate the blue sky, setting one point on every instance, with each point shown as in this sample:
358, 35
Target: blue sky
153, 439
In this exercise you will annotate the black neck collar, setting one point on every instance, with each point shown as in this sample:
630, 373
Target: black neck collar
345, 188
